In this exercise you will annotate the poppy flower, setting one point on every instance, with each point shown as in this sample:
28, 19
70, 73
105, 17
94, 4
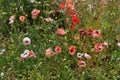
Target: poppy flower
98, 47
75, 20
22, 18
81, 64
82, 32
58, 50
73, 12
118, 44
62, 5
26, 41
72, 50
11, 20
69, 4
89, 31
105, 43
31, 54
49, 53
96, 33
60, 31
25, 54
87, 56
35, 13
48, 19
79, 55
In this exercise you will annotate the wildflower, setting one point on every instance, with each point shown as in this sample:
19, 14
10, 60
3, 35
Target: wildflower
89, 31
75, 20
35, 13
79, 55
82, 32
96, 33
58, 50
118, 44
81, 63
25, 54
32, 1
31, 54
2, 74
48, 19
69, 4
2, 52
26, 41
22, 18
60, 31
49, 53
98, 47
87, 56
62, 5
73, 12
72, 50
11, 20
105, 43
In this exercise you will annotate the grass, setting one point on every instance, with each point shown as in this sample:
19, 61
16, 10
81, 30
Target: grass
103, 66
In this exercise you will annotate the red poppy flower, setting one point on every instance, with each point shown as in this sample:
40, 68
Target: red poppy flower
75, 20
62, 5
72, 50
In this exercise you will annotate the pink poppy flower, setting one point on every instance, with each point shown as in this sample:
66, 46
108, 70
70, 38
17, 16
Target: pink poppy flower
22, 18
96, 33
105, 43
87, 56
89, 31
31, 54
69, 4
58, 50
11, 19
72, 50
60, 31
98, 47
49, 53
73, 12
82, 32
81, 64
35, 13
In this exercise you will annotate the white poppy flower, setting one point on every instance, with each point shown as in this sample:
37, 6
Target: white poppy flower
25, 54
26, 41
79, 55
118, 44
